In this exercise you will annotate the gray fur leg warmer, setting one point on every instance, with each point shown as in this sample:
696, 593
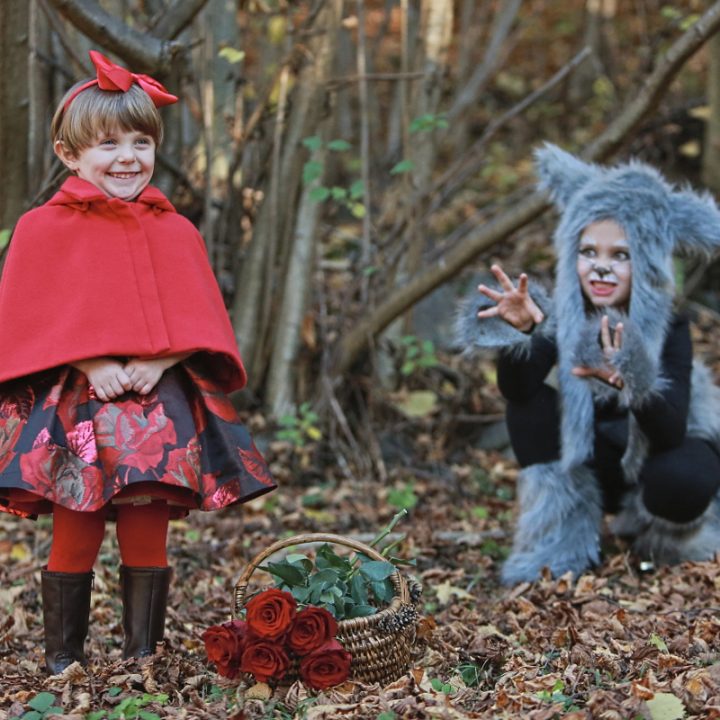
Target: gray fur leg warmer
559, 523
667, 543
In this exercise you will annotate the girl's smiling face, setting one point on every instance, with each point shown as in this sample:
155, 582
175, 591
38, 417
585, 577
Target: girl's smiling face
120, 163
604, 265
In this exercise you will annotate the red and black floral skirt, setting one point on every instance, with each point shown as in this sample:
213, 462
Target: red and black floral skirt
183, 443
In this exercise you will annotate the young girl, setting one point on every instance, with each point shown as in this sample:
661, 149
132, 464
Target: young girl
117, 359
632, 424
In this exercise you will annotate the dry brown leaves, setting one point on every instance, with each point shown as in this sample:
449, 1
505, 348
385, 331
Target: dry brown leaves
603, 646
611, 645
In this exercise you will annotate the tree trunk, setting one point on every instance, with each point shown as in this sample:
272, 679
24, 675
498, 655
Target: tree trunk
277, 229
281, 377
14, 110
39, 152
502, 23
711, 150
598, 14
437, 24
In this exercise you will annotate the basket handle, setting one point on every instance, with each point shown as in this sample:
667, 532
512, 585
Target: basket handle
398, 580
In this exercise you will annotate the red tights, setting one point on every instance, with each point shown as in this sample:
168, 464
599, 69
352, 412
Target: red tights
141, 535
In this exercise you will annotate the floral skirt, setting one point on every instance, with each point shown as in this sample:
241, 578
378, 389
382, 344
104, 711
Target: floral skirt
182, 443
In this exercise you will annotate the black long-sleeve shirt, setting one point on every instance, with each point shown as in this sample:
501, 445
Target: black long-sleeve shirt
662, 416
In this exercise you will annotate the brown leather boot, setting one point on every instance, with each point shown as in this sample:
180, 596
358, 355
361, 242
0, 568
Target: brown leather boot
144, 594
66, 611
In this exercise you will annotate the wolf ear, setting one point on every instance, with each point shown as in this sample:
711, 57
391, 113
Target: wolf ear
695, 222
561, 173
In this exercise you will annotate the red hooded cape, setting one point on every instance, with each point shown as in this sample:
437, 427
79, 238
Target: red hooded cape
90, 276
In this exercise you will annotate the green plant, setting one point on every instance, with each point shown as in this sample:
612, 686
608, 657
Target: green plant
131, 708
301, 427
677, 18
313, 170
43, 705
403, 498
387, 715
557, 695
348, 587
417, 354
471, 673
428, 123
439, 686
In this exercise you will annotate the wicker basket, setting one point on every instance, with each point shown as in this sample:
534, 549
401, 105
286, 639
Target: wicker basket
380, 644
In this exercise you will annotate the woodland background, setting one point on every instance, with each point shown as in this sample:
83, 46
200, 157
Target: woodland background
355, 166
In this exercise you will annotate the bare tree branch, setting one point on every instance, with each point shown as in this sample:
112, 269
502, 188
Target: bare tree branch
170, 23
502, 22
643, 103
142, 51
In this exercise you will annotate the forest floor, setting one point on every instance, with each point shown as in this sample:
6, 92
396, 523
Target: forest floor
615, 643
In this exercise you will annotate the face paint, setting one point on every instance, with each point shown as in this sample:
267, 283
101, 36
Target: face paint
603, 265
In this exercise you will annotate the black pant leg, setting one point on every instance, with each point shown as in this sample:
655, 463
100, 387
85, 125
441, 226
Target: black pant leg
534, 427
679, 484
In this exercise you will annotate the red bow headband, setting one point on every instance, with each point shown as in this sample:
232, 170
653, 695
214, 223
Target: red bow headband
115, 78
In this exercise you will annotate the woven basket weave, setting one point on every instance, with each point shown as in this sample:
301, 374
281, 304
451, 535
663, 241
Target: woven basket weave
380, 644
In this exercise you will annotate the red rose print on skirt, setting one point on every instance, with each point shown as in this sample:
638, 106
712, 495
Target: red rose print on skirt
60, 475
255, 464
126, 437
12, 421
183, 466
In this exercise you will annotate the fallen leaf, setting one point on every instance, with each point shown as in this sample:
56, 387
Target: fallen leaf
666, 706
445, 593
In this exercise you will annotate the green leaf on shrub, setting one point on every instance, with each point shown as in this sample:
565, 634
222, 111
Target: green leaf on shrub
339, 145
232, 55
312, 143
319, 194
402, 167
312, 170
358, 210
357, 189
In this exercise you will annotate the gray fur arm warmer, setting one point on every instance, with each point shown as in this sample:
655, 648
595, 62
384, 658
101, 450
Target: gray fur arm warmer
472, 331
639, 373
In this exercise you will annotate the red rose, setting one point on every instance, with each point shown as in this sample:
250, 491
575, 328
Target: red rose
271, 613
327, 666
224, 645
264, 660
313, 627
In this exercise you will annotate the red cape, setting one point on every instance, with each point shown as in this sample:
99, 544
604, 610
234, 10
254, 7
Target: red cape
90, 276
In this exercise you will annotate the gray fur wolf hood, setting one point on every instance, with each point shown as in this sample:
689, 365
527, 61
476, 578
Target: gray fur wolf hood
560, 507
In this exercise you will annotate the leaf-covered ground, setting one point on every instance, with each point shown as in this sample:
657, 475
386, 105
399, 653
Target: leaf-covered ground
615, 643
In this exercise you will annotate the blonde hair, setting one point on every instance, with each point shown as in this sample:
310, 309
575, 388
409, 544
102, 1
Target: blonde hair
94, 111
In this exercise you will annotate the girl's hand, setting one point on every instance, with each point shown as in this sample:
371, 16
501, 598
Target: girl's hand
145, 374
514, 305
610, 345
108, 377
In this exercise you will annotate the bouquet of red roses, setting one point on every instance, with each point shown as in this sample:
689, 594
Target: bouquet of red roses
274, 637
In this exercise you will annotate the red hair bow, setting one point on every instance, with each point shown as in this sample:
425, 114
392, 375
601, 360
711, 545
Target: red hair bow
114, 78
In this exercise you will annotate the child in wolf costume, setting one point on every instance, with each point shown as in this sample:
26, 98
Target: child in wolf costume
634, 426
